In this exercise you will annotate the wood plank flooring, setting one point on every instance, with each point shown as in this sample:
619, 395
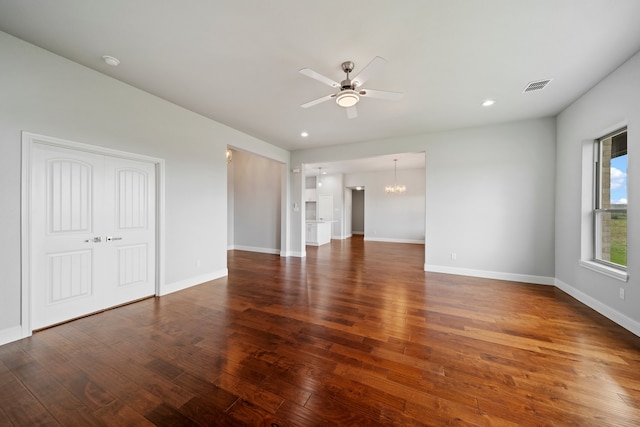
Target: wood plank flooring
356, 334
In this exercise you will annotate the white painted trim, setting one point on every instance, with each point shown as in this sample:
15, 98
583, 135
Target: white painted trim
340, 237
295, 254
606, 270
28, 140
256, 249
160, 226
180, 285
626, 322
360, 233
267, 251
512, 277
11, 334
391, 240
25, 238
81, 146
285, 214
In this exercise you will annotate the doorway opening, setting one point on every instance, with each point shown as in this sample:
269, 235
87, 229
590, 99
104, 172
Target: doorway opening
357, 210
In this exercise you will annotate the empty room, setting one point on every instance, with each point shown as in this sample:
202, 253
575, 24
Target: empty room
292, 213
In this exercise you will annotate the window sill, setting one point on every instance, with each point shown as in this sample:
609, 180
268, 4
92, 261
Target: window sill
606, 270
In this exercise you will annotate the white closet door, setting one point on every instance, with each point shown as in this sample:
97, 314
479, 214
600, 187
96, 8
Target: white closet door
92, 233
130, 229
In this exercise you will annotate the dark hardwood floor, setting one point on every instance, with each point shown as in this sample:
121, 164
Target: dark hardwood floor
355, 334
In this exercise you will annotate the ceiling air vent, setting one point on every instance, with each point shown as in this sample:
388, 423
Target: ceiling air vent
537, 85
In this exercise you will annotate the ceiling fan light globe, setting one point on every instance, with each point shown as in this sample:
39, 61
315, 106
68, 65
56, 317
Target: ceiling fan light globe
347, 98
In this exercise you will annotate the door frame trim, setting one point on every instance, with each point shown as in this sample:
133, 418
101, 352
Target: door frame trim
28, 141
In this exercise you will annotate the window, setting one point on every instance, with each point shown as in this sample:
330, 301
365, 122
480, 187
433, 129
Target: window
610, 210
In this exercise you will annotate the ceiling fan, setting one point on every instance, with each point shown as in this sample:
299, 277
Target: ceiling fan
349, 91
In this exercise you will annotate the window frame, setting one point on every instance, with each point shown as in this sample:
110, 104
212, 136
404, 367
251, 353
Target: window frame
598, 202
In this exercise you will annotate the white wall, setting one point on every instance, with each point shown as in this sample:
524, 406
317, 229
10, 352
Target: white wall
611, 104
257, 203
47, 94
490, 200
397, 218
489, 196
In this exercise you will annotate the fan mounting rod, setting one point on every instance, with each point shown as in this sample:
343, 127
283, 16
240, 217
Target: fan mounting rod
347, 67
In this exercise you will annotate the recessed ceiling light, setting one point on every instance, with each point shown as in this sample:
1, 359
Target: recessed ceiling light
488, 103
110, 60
304, 134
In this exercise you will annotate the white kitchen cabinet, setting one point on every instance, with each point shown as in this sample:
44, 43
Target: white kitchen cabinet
318, 233
312, 233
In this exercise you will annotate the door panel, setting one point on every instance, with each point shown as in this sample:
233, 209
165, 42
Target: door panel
69, 196
130, 230
78, 201
131, 201
132, 265
69, 276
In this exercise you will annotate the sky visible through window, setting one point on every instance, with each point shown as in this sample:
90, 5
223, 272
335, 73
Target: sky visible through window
619, 180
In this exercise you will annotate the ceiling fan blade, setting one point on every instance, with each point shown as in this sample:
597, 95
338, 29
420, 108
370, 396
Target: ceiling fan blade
372, 67
352, 112
319, 77
381, 94
318, 101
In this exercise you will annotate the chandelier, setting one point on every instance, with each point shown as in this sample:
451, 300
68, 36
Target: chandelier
395, 188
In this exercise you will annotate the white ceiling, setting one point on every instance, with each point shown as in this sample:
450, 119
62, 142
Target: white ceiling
237, 62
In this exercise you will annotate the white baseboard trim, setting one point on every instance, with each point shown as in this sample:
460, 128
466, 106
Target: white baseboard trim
317, 244
294, 254
170, 288
631, 325
257, 249
340, 237
269, 251
11, 334
512, 277
391, 240
361, 233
